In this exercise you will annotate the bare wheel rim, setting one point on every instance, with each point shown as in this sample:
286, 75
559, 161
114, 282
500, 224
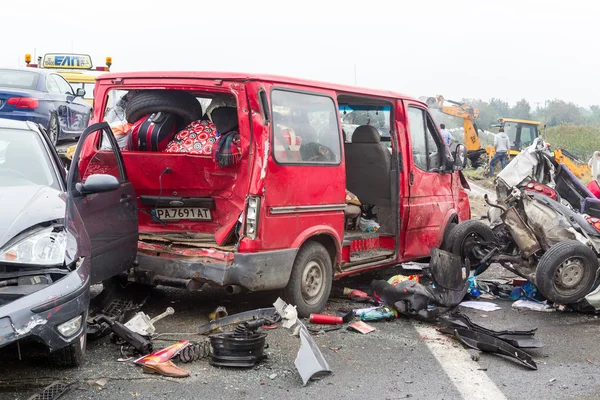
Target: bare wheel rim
53, 129
313, 278
569, 274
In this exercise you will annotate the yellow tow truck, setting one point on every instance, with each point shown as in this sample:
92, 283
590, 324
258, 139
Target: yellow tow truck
77, 69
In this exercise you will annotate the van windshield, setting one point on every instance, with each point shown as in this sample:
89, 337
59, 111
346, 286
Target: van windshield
357, 115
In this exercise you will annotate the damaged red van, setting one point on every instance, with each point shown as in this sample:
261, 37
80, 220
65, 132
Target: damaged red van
255, 182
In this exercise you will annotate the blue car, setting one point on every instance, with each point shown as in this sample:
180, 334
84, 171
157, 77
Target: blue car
46, 98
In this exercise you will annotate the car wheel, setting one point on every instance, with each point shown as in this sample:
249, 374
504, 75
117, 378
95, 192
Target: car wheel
566, 272
468, 241
179, 103
448, 238
310, 281
53, 129
72, 355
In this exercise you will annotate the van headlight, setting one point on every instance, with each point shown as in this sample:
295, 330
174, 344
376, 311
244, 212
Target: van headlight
252, 213
45, 247
69, 328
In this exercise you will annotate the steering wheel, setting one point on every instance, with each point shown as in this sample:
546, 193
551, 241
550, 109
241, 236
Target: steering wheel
14, 172
319, 152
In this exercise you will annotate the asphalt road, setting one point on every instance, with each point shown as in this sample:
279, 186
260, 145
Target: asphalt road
401, 359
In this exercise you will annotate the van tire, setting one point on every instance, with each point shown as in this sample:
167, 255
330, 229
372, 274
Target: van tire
177, 102
465, 236
579, 266
310, 281
448, 238
70, 356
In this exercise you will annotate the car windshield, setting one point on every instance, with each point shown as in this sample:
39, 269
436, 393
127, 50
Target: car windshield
24, 161
356, 115
12, 78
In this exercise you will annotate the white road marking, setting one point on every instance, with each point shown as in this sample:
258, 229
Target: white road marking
456, 362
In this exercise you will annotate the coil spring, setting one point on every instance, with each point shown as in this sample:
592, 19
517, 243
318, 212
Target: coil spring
194, 351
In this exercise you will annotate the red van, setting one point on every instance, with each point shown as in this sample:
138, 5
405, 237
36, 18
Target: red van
247, 181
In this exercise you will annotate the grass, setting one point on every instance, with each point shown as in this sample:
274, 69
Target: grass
581, 140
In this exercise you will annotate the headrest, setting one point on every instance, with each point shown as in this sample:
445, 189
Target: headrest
225, 119
366, 134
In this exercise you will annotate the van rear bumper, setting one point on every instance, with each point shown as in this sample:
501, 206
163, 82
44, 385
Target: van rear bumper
267, 270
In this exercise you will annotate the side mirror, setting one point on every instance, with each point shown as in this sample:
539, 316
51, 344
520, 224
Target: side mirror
80, 92
97, 183
460, 157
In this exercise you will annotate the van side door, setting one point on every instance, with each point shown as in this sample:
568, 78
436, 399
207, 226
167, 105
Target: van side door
429, 183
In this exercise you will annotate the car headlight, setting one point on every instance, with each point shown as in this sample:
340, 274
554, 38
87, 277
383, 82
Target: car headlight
45, 247
69, 328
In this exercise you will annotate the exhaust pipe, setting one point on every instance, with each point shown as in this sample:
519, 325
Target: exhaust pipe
188, 284
233, 289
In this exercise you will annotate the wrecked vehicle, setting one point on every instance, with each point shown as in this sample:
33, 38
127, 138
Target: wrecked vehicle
58, 235
543, 227
241, 180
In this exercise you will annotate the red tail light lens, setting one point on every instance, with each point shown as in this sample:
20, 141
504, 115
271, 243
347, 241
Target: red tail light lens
595, 222
23, 102
538, 187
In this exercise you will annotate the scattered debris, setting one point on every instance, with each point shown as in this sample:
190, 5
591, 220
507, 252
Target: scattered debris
331, 319
101, 382
357, 295
240, 348
480, 305
268, 313
532, 305
272, 376
163, 355
167, 368
143, 325
135, 340
194, 351
384, 313
309, 362
361, 327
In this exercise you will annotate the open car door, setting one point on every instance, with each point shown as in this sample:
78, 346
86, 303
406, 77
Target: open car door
101, 203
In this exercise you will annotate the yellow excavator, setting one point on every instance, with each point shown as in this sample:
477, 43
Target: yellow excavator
469, 115
521, 133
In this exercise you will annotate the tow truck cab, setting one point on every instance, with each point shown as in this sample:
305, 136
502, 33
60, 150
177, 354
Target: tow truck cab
275, 216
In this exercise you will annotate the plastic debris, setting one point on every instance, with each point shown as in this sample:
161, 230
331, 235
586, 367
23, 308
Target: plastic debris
357, 295
379, 314
361, 327
367, 225
532, 305
142, 324
480, 305
396, 279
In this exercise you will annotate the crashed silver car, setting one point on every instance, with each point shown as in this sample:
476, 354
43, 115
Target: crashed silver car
58, 235
543, 227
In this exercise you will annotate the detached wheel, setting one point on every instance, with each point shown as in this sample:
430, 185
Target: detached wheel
71, 355
448, 238
179, 103
566, 272
468, 241
310, 282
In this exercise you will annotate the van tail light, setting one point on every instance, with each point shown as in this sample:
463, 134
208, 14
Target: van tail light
23, 102
252, 213
542, 189
595, 222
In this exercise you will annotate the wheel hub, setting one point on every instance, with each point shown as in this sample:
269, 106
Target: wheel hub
312, 281
569, 274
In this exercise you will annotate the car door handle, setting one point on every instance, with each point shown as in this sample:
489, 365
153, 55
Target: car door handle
125, 199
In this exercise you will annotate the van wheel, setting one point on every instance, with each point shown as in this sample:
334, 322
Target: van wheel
448, 238
566, 272
469, 240
70, 356
310, 282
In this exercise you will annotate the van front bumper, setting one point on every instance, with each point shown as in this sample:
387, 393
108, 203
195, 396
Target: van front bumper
267, 270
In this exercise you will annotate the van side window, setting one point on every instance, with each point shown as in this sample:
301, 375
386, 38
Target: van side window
426, 149
305, 129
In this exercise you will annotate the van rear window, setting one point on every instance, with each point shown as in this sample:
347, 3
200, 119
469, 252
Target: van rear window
305, 128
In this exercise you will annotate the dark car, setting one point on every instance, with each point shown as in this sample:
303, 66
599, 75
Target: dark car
58, 235
46, 98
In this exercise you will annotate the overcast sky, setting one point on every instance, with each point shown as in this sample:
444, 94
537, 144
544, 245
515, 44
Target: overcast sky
508, 49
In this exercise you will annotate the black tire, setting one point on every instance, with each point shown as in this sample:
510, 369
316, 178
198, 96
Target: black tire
179, 103
71, 355
313, 263
466, 236
448, 238
566, 272
53, 129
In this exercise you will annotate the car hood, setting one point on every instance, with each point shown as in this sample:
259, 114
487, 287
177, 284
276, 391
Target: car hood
26, 206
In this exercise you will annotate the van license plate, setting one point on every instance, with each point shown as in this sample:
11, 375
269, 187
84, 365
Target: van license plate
197, 213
